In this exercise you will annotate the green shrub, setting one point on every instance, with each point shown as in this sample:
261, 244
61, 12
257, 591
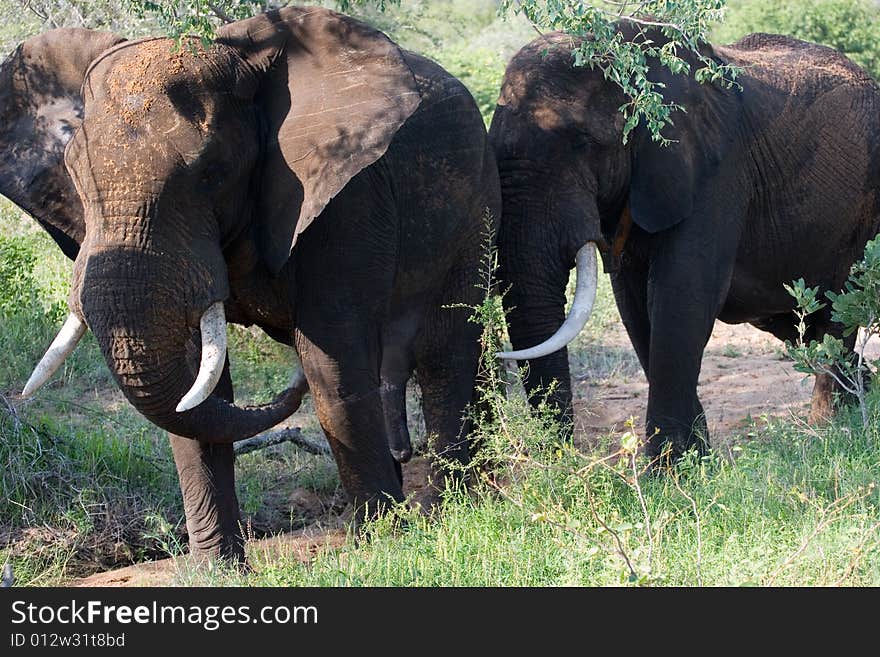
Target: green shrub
19, 291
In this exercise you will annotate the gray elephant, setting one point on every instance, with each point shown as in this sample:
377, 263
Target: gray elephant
303, 174
761, 185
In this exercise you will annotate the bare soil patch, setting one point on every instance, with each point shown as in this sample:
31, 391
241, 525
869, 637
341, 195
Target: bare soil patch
301, 545
745, 377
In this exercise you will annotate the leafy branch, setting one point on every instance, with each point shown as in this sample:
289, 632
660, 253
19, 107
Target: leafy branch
627, 62
857, 308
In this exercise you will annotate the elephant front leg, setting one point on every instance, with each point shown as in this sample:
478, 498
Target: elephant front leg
207, 481
687, 285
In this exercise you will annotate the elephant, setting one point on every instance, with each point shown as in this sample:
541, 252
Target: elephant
302, 173
764, 182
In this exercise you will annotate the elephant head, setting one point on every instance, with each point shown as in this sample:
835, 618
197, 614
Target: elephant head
570, 185
192, 164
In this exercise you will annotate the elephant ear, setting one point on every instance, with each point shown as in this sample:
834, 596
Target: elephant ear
40, 109
333, 93
667, 181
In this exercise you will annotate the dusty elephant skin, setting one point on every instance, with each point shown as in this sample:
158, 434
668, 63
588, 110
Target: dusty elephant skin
303, 174
761, 185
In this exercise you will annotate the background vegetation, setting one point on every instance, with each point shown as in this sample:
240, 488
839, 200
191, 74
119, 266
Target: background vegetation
87, 484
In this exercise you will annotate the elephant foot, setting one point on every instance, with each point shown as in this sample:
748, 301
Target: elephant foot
427, 502
664, 455
229, 550
357, 516
210, 561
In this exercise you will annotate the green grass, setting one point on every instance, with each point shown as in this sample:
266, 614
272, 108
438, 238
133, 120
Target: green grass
794, 509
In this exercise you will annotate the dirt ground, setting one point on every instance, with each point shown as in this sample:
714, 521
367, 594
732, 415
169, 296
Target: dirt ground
745, 376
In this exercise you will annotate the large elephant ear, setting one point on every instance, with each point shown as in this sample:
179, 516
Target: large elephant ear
667, 180
333, 92
40, 109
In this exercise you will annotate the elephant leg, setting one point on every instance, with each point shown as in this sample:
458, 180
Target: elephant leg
343, 374
207, 481
630, 288
447, 357
674, 415
687, 285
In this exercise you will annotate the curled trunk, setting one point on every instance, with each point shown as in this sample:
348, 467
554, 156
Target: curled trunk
149, 334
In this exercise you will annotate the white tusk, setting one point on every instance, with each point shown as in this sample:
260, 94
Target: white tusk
213, 327
62, 346
581, 307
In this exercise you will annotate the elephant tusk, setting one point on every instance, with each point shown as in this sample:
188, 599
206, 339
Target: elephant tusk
581, 307
62, 346
213, 327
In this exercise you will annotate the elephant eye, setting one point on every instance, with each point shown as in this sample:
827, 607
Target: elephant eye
581, 140
212, 176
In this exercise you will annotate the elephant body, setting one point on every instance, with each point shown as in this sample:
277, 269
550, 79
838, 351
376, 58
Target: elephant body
303, 174
761, 185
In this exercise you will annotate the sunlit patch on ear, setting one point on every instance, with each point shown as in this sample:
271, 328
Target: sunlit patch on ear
547, 118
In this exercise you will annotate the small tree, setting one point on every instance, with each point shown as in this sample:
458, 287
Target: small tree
856, 307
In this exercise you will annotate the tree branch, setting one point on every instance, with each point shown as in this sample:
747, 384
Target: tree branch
219, 13
290, 435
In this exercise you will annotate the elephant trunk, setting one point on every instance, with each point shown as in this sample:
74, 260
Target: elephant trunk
151, 335
534, 278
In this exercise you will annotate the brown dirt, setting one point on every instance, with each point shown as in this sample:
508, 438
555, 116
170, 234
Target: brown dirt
300, 545
745, 377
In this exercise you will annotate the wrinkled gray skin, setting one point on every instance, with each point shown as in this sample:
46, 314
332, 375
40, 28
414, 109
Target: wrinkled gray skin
776, 181
322, 183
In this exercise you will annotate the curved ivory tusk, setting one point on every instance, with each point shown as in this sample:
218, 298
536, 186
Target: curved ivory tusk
213, 327
581, 307
62, 346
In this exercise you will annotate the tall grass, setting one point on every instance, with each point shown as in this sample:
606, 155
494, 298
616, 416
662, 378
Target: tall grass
795, 508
